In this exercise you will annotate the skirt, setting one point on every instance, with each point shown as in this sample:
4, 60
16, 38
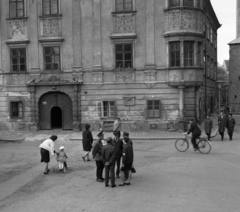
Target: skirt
45, 156
127, 167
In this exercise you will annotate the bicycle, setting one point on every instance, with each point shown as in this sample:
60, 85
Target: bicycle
204, 145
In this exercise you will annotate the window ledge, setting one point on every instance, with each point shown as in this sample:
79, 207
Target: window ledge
50, 16
124, 12
17, 72
124, 69
50, 39
185, 67
17, 18
14, 42
182, 8
123, 35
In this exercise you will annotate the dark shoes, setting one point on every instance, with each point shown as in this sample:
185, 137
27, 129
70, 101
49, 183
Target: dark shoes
88, 160
113, 186
83, 158
100, 180
123, 184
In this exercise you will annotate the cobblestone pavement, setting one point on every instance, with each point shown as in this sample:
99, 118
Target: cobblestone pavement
166, 180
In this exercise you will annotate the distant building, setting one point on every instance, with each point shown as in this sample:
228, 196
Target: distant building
67, 63
226, 65
234, 67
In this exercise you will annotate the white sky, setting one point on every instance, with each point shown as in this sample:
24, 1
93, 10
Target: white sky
226, 14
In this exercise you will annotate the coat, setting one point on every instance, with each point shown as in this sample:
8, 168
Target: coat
221, 124
97, 151
194, 129
230, 124
108, 154
208, 125
87, 140
118, 145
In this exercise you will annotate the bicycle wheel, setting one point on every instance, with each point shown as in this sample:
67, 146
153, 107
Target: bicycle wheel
204, 146
181, 145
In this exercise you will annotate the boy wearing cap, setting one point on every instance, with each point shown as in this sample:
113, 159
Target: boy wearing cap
118, 145
108, 156
97, 155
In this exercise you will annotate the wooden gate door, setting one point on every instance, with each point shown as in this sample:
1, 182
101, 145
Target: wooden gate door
49, 100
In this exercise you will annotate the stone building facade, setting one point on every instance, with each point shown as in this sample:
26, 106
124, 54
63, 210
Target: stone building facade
65, 63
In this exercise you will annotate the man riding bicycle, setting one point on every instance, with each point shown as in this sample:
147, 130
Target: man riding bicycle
196, 132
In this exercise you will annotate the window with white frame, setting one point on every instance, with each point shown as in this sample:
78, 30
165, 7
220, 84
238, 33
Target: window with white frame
16, 109
16, 8
50, 7
123, 5
106, 109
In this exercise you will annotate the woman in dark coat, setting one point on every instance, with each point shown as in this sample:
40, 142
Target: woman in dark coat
87, 141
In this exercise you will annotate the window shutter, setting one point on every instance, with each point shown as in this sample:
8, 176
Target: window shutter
115, 108
160, 108
99, 106
146, 109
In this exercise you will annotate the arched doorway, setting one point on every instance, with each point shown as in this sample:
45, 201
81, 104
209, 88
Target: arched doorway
56, 117
55, 111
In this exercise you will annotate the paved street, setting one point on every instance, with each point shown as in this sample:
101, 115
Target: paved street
166, 180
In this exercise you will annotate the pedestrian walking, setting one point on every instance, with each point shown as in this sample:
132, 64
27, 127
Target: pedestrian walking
108, 156
230, 125
208, 125
221, 125
97, 155
127, 162
117, 125
87, 140
118, 145
47, 148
